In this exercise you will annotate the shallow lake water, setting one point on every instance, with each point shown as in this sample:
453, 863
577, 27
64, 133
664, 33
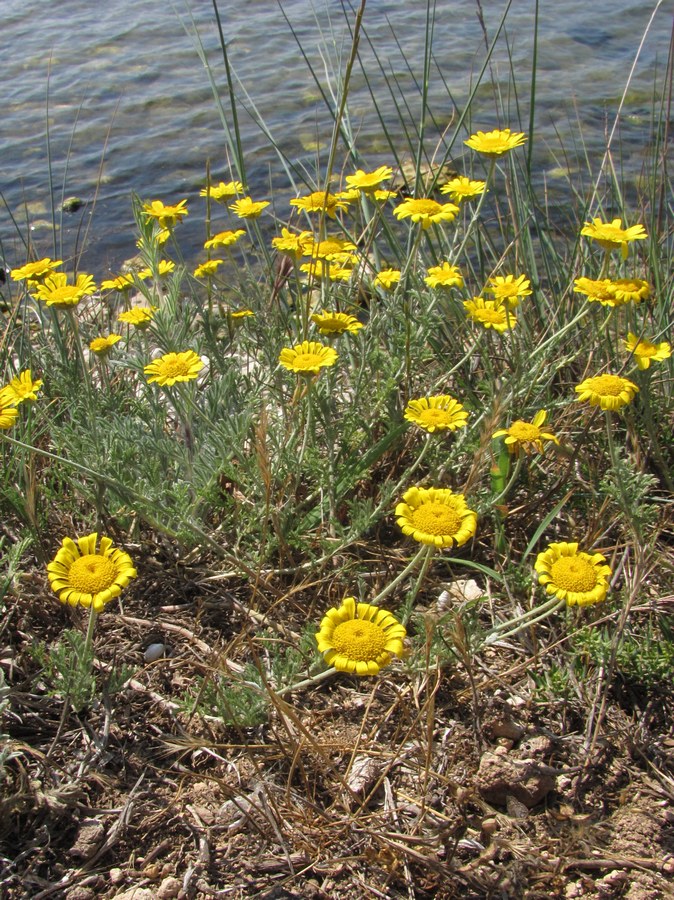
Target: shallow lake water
126, 100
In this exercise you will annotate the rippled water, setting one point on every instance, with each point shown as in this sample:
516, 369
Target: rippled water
131, 108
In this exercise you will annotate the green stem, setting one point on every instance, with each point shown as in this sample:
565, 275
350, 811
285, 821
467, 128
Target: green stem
476, 213
513, 478
422, 552
307, 682
88, 641
514, 626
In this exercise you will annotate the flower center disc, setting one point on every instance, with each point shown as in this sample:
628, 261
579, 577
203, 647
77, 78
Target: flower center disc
426, 207
359, 640
92, 573
524, 431
488, 314
437, 519
435, 416
573, 573
171, 368
607, 385
308, 361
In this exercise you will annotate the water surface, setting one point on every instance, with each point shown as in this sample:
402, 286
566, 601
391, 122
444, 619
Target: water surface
131, 108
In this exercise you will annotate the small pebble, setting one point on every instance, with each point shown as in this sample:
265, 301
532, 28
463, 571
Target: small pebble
154, 652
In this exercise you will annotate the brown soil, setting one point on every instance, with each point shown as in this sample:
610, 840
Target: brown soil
443, 783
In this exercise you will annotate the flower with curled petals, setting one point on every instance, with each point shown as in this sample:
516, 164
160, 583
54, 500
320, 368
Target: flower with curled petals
360, 638
224, 239
82, 575
612, 235
140, 316
522, 435
36, 271
610, 392
247, 208
577, 578
208, 268
101, 346
336, 323
292, 243
166, 215
436, 516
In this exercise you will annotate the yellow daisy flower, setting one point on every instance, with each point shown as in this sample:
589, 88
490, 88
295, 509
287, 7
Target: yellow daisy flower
208, 268
318, 201
359, 638
369, 181
436, 516
119, 283
444, 275
612, 236
645, 352
55, 290
491, 313
509, 288
224, 239
573, 576
426, 211
606, 391
438, 413
36, 271
522, 435
332, 248
462, 188
21, 388
626, 290
247, 208
140, 316
497, 142
383, 195
103, 345
323, 268
307, 358
387, 278
222, 191
167, 216
173, 367
291, 242
164, 267
8, 413
82, 575
336, 323
613, 293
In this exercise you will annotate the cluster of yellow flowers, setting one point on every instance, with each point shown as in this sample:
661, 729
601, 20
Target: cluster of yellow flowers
355, 637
